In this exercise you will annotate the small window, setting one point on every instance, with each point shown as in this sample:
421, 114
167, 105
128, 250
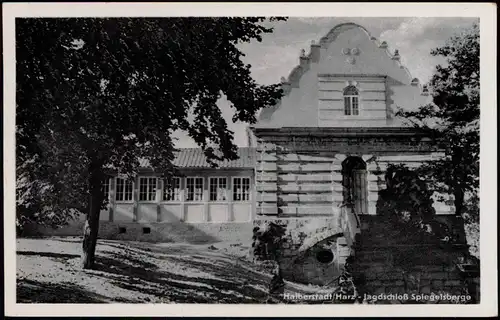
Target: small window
146, 230
147, 189
241, 189
172, 189
124, 189
218, 187
194, 188
122, 230
351, 101
324, 256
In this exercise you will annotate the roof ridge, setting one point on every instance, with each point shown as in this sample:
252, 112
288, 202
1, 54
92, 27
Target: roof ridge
195, 158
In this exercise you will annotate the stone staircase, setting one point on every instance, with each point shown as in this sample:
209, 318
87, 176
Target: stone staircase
390, 261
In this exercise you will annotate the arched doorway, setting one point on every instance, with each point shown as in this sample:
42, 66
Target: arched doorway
354, 182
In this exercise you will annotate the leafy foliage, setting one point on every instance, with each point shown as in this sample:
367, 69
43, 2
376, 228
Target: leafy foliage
267, 246
347, 283
50, 193
406, 192
471, 219
408, 206
453, 118
97, 94
267, 241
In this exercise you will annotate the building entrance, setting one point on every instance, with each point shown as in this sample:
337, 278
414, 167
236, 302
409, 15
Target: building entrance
354, 181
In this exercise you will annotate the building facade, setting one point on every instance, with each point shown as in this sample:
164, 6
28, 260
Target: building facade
335, 131
200, 205
199, 194
327, 143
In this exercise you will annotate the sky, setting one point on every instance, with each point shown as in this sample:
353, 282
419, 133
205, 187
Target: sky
278, 53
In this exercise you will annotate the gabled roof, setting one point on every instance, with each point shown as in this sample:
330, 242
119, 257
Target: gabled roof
195, 158
332, 58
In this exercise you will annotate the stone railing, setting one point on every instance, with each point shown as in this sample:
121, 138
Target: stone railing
350, 223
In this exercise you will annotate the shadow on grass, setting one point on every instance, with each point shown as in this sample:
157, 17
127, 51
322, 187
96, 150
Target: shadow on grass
31, 291
72, 239
48, 254
148, 250
165, 274
228, 281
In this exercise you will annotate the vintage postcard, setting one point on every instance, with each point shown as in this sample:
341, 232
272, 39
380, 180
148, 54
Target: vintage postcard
250, 159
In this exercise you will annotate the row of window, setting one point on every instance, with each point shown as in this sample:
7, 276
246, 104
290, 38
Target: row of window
172, 189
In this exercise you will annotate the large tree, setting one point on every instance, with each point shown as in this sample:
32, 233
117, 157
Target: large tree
94, 94
452, 119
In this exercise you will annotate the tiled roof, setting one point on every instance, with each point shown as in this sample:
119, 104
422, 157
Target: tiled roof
194, 158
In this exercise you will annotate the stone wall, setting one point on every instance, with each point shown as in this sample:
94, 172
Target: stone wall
291, 184
301, 176
303, 240
158, 232
435, 272
384, 265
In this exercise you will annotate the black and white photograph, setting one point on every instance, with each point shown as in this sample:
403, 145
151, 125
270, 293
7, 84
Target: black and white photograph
263, 158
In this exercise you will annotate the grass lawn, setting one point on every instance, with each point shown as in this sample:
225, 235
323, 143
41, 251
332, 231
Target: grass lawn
48, 271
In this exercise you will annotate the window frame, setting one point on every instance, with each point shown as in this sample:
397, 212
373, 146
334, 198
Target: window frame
163, 185
186, 196
351, 97
249, 189
147, 189
124, 190
217, 184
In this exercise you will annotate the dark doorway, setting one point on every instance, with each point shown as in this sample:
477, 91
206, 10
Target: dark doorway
354, 182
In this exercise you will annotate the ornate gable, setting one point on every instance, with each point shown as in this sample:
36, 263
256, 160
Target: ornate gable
347, 57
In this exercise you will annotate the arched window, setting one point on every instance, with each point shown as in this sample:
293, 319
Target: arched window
351, 101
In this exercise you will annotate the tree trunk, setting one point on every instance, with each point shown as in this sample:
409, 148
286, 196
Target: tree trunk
459, 201
91, 228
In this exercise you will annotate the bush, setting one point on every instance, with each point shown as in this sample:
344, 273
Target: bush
267, 241
407, 205
407, 196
